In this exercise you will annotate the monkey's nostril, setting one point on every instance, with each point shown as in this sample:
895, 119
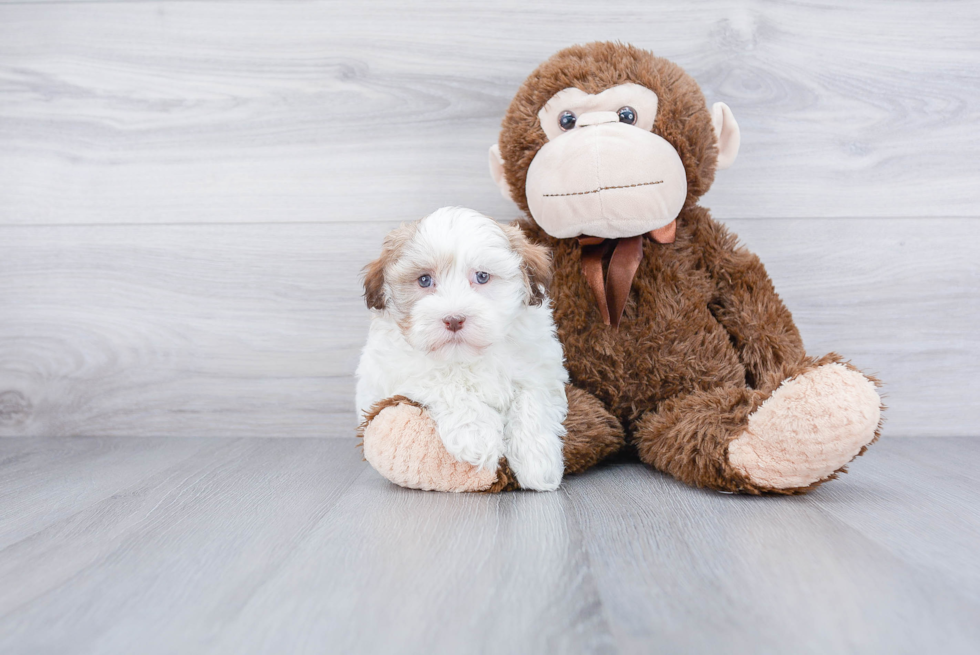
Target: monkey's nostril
454, 323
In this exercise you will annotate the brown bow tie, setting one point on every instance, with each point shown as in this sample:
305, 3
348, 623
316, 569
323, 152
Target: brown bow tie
611, 293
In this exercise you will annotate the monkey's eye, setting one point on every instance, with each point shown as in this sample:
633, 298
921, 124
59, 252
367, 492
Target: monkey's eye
482, 277
566, 121
425, 281
627, 115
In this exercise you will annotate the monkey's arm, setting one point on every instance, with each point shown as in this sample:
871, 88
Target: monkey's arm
746, 304
592, 434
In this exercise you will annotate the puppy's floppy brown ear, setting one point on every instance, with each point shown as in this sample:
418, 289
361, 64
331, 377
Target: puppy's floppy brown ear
374, 273
535, 264
374, 283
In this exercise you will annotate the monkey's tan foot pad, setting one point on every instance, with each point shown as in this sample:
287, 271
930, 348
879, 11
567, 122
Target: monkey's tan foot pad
809, 428
402, 444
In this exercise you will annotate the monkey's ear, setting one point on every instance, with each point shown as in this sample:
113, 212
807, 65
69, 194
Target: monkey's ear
374, 284
497, 171
535, 264
726, 133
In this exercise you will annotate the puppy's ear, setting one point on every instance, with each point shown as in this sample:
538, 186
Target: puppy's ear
374, 283
374, 273
535, 264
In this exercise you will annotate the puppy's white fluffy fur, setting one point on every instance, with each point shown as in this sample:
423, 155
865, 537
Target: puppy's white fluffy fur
495, 386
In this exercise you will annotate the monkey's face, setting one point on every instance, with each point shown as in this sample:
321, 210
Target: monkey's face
617, 162
603, 172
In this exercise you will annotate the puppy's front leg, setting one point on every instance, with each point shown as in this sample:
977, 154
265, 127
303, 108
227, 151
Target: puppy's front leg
471, 430
532, 441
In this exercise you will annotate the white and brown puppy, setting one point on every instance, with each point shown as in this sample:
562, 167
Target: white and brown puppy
462, 326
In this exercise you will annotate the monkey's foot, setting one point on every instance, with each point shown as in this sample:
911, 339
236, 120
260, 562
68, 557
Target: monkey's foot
402, 443
809, 429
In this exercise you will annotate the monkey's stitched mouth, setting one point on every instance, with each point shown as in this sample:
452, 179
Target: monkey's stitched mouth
602, 188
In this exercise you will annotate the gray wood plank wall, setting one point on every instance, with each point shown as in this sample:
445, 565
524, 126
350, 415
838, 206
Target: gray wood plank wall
187, 189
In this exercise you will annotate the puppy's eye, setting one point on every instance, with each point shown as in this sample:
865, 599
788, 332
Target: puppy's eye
627, 115
482, 277
425, 281
566, 121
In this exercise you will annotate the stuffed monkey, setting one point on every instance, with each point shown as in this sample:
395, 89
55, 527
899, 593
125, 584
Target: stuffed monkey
678, 348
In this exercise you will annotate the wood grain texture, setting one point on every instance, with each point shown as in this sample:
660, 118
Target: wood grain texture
288, 545
250, 330
214, 525
255, 330
182, 112
694, 570
187, 189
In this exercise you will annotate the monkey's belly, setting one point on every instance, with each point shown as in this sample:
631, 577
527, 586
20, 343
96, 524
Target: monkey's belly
652, 357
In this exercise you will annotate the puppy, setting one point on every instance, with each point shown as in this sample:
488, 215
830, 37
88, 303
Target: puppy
462, 326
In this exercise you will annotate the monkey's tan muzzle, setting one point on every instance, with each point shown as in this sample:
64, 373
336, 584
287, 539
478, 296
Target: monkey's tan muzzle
605, 179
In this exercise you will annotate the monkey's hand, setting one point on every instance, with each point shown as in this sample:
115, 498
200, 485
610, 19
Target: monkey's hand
402, 443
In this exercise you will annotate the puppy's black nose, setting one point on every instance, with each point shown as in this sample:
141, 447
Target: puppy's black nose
454, 323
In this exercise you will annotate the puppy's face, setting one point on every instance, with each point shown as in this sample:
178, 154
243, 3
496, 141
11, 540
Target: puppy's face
455, 280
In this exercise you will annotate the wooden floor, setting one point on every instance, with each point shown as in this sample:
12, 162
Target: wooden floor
120, 545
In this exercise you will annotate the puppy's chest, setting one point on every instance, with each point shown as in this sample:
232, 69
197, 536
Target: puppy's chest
491, 384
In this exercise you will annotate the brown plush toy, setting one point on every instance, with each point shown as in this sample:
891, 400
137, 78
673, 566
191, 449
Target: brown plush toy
678, 348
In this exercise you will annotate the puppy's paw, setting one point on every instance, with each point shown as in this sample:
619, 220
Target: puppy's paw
480, 443
537, 462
